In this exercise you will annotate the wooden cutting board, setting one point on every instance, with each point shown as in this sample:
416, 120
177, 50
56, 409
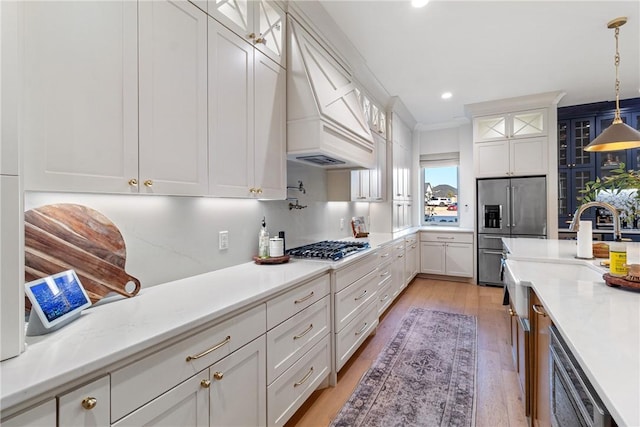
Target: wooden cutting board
68, 236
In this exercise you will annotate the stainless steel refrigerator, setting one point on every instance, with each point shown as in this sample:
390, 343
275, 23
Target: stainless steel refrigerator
507, 207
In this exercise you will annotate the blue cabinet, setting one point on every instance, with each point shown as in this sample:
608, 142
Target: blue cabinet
577, 126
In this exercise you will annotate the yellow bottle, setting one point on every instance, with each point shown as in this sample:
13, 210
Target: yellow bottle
618, 259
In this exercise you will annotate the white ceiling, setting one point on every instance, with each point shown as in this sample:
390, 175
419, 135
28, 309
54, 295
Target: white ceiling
485, 50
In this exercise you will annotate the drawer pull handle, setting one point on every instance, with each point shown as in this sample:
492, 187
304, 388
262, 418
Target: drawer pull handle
386, 273
400, 256
538, 309
298, 301
386, 297
445, 238
306, 331
384, 256
89, 402
413, 246
205, 383
360, 296
214, 348
362, 329
218, 375
304, 380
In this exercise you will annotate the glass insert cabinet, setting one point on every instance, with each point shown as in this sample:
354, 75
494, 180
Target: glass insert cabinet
577, 126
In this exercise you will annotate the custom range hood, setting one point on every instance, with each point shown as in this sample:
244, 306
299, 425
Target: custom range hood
326, 125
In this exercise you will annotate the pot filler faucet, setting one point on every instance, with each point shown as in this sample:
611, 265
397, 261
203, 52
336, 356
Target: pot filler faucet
575, 223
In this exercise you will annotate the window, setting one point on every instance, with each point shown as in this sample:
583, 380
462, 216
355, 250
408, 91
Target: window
440, 188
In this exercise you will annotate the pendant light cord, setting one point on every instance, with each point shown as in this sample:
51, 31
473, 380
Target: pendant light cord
617, 118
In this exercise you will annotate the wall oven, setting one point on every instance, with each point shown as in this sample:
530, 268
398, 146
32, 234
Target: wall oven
574, 402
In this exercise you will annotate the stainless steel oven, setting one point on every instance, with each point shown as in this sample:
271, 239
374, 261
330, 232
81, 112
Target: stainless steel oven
574, 402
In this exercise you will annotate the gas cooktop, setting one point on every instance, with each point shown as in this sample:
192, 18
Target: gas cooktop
328, 250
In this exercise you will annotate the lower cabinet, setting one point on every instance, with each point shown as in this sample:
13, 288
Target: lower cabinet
397, 268
449, 254
540, 366
88, 405
42, 415
412, 258
519, 341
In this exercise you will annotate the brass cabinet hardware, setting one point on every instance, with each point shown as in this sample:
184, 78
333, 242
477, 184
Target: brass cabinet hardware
362, 329
214, 348
251, 36
259, 190
306, 331
148, 183
260, 40
538, 309
133, 182
511, 312
218, 375
89, 402
298, 301
252, 190
303, 380
359, 297
205, 383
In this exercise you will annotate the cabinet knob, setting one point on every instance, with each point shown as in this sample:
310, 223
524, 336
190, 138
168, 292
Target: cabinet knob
259, 190
260, 40
511, 312
89, 402
205, 383
148, 183
133, 182
218, 375
252, 190
251, 36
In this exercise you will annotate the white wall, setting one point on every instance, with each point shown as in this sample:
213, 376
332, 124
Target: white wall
169, 238
456, 139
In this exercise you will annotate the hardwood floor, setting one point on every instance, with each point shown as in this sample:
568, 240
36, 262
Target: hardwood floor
499, 399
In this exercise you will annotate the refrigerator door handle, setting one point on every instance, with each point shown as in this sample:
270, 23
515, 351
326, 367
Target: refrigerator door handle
508, 188
513, 202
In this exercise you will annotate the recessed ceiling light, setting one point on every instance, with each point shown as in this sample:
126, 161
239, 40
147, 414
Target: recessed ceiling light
419, 3
446, 95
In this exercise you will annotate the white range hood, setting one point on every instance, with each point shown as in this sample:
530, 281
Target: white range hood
326, 125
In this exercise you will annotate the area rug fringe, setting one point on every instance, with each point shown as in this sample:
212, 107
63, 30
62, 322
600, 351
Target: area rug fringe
425, 376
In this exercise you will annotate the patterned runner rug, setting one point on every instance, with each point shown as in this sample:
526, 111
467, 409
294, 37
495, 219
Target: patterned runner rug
424, 377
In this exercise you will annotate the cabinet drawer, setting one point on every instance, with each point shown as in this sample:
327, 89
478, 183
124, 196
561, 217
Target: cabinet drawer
292, 388
291, 339
88, 405
384, 270
410, 240
384, 253
349, 339
281, 308
141, 381
447, 237
355, 271
43, 415
349, 301
385, 295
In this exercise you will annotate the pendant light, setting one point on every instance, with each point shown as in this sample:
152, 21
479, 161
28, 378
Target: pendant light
618, 136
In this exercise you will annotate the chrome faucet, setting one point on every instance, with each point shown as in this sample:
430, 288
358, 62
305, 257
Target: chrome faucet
575, 223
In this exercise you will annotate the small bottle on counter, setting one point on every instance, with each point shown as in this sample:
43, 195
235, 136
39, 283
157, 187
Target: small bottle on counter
618, 258
263, 241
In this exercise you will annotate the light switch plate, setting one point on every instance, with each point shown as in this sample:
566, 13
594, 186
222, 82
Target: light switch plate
223, 240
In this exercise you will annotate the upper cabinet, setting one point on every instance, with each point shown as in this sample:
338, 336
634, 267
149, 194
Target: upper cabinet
247, 116
402, 159
260, 22
172, 55
511, 144
120, 109
79, 124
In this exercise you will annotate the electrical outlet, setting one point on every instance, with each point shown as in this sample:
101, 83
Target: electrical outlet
341, 223
223, 240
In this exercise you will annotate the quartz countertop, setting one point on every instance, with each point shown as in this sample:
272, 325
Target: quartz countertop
600, 324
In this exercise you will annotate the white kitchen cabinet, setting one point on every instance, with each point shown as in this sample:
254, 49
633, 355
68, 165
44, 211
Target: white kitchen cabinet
173, 98
449, 254
259, 22
79, 121
247, 119
184, 405
517, 157
42, 415
412, 255
398, 267
402, 215
522, 124
143, 127
88, 405
238, 392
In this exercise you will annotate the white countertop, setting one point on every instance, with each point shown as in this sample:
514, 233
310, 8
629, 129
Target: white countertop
600, 324
107, 333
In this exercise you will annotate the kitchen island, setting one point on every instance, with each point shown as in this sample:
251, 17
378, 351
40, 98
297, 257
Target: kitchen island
600, 324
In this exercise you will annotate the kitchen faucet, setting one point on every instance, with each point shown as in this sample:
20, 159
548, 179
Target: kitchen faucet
575, 223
